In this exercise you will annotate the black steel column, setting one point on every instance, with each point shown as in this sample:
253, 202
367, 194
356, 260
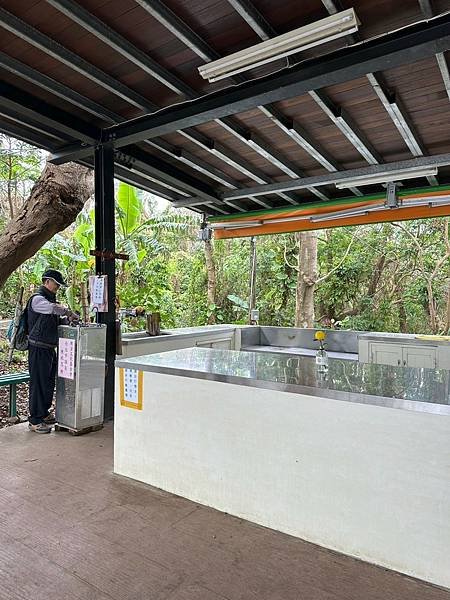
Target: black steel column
252, 299
105, 241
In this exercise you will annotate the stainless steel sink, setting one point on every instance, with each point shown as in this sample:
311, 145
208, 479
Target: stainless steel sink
136, 335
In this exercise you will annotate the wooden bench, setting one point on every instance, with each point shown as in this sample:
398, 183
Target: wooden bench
13, 379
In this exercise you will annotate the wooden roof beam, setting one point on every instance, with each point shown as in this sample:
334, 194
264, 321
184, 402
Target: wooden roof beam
443, 66
31, 109
58, 89
100, 30
427, 8
400, 47
273, 156
190, 38
299, 135
333, 6
46, 44
28, 135
393, 106
240, 164
178, 28
345, 124
397, 113
77, 151
129, 51
428, 12
438, 160
254, 18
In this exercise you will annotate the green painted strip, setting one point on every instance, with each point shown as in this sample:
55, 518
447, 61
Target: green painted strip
336, 202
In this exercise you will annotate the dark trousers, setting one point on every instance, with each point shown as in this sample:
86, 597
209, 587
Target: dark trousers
42, 367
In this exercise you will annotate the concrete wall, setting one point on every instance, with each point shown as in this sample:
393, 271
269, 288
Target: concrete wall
165, 343
289, 337
336, 340
368, 481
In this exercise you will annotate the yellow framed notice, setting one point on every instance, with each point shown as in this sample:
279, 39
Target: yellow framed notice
131, 388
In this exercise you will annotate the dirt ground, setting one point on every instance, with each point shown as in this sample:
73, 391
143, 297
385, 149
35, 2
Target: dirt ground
19, 365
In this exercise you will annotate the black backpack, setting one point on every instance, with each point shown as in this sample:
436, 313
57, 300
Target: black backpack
18, 338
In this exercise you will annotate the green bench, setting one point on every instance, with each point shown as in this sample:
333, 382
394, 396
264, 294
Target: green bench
13, 379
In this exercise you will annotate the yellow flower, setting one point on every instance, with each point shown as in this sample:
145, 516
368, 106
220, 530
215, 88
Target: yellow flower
320, 335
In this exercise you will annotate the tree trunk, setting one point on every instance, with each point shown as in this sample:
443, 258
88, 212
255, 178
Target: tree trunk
431, 307
211, 270
376, 275
8, 188
447, 316
307, 277
402, 317
54, 203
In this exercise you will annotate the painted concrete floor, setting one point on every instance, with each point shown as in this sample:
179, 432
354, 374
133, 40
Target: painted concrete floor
70, 529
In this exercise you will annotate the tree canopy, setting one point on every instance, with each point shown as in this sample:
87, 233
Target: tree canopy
388, 277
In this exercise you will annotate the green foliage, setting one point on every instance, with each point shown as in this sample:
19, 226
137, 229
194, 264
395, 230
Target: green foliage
375, 277
20, 166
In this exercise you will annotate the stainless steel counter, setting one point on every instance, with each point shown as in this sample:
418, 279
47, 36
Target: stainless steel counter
423, 390
292, 350
405, 338
176, 334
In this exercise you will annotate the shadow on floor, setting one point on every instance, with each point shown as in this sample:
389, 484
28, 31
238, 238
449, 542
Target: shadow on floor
69, 528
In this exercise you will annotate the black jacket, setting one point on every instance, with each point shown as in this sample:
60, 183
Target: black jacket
42, 329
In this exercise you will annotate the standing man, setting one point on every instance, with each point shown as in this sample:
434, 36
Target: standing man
44, 315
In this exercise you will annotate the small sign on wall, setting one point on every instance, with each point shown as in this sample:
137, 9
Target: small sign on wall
66, 358
131, 388
98, 289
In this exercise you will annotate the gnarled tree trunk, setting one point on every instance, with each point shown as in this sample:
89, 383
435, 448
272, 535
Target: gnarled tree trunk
54, 203
307, 277
447, 312
211, 271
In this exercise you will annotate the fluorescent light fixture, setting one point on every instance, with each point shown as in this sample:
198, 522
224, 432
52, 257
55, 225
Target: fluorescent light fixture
314, 34
242, 224
237, 225
289, 219
439, 203
350, 212
411, 173
430, 201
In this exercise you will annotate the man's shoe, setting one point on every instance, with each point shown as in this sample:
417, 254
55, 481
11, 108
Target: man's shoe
50, 419
39, 427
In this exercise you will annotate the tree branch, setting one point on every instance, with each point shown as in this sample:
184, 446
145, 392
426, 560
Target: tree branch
334, 269
54, 203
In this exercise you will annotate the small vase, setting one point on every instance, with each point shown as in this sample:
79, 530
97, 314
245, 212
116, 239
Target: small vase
322, 360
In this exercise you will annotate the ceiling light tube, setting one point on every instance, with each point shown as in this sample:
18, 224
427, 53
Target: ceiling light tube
336, 216
237, 225
431, 201
411, 173
350, 212
434, 204
288, 219
314, 34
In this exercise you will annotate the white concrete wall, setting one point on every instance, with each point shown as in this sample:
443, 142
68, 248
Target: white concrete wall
155, 345
368, 481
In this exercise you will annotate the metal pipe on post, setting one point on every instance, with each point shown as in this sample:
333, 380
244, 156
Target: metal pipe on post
84, 303
252, 299
104, 263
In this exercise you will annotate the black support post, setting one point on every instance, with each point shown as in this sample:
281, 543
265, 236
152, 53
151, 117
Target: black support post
105, 241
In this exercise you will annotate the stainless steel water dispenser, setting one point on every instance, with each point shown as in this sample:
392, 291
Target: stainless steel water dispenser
80, 382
